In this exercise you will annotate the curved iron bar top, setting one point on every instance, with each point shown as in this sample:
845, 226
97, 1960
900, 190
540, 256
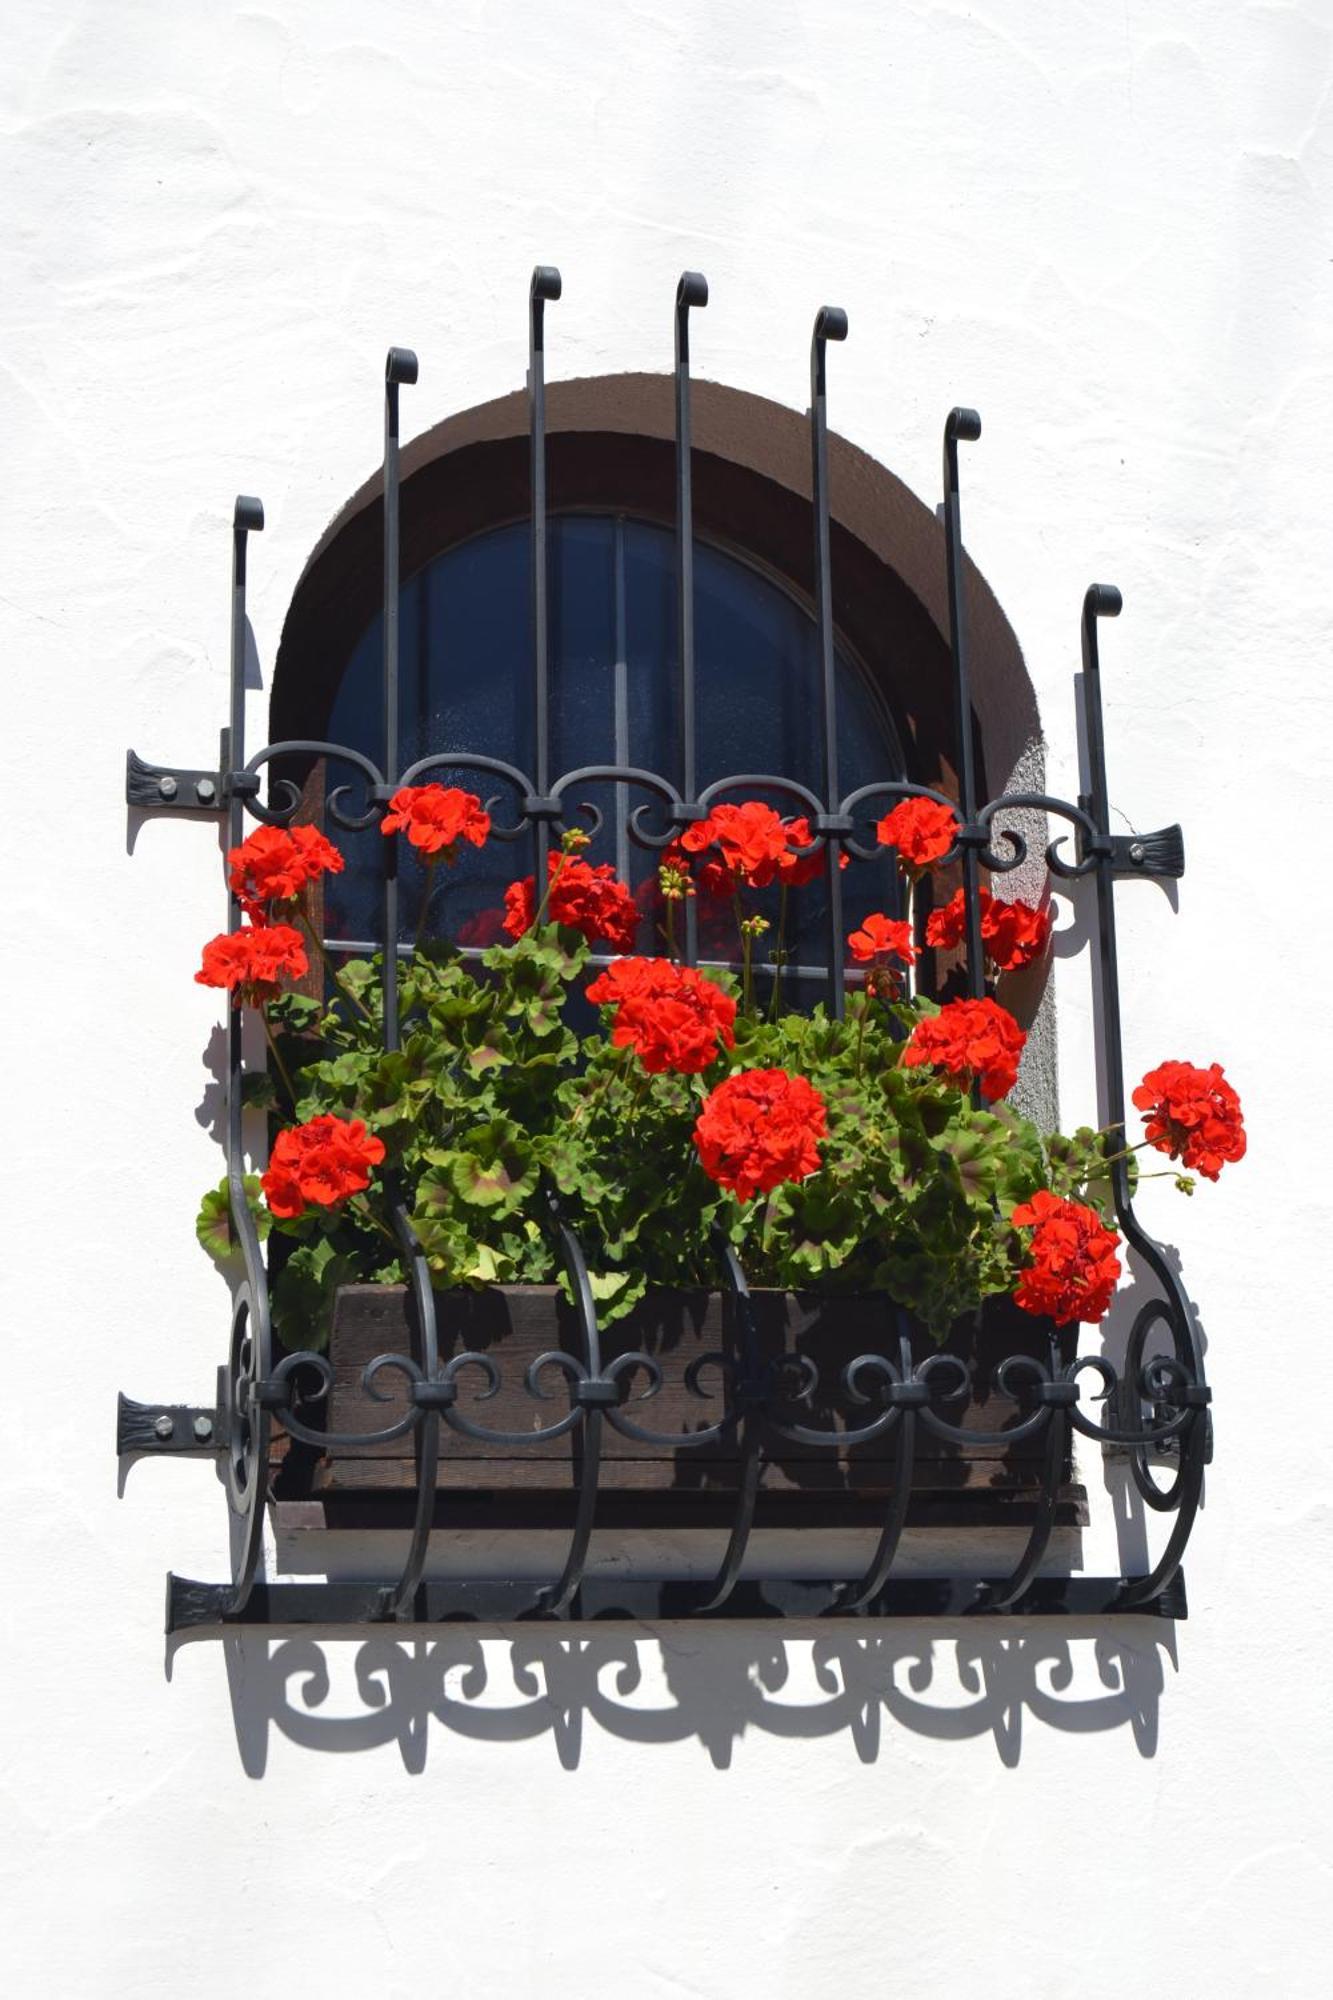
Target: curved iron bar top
759, 1404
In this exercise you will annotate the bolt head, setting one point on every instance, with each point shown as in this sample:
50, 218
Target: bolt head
163, 1426
166, 787
205, 789
1138, 853
203, 1429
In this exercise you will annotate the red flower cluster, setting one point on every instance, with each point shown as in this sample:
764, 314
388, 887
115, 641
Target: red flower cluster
435, 818
755, 849
759, 1128
276, 862
672, 1016
251, 962
588, 899
1192, 1114
882, 937
922, 830
1074, 1268
752, 846
1013, 933
969, 1038
319, 1164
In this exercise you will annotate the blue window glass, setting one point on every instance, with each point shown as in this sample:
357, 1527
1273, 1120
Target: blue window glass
466, 680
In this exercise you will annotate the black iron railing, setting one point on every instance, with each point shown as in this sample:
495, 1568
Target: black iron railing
1157, 1403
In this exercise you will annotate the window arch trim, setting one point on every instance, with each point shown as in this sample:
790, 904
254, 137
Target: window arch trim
610, 445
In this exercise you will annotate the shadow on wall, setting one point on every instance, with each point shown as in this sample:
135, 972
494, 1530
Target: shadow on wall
950, 1684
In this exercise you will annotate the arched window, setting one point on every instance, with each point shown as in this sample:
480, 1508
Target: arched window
465, 681
466, 646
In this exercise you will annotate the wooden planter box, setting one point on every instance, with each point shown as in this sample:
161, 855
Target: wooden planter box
651, 1485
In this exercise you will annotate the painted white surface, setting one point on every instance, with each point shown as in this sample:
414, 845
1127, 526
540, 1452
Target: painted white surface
1107, 227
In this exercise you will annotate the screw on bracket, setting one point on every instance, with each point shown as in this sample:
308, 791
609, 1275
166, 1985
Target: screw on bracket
159, 786
182, 1429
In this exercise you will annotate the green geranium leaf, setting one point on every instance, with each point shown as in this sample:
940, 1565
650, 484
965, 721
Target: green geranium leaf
213, 1222
494, 1167
303, 1293
296, 1012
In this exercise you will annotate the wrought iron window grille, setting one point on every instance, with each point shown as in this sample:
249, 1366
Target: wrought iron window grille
1157, 1405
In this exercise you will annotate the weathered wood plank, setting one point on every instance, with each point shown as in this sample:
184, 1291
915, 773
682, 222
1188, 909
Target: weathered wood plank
514, 1326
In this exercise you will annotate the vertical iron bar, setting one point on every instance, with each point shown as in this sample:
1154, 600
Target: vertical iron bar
964, 424
620, 697
857, 1595
248, 517
692, 290
830, 324
400, 366
1103, 600
545, 284
748, 1388
591, 1393
1003, 1596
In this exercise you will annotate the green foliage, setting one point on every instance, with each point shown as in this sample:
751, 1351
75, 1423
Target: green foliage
492, 1108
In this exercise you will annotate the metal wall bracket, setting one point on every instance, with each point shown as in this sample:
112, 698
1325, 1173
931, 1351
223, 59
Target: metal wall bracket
171, 788
1160, 855
181, 1430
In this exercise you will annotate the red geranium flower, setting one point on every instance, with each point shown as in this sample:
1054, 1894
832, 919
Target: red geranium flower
1074, 1268
520, 906
671, 1015
319, 1164
1192, 1114
1013, 933
276, 862
753, 843
588, 899
251, 962
922, 830
759, 1128
882, 937
435, 818
969, 1038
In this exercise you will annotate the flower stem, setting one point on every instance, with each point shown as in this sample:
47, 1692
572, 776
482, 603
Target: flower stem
281, 1066
747, 950
331, 968
554, 876
431, 860
361, 1209
861, 1027
778, 954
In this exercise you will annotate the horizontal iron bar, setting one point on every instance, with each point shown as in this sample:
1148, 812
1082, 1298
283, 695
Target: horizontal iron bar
194, 1607
184, 1430
367, 947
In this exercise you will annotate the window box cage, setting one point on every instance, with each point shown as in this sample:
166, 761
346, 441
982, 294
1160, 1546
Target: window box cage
733, 1409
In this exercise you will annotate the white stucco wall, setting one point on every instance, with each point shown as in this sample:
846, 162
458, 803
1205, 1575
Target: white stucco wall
1107, 227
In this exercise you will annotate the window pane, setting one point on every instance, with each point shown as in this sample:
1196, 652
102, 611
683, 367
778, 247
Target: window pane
467, 685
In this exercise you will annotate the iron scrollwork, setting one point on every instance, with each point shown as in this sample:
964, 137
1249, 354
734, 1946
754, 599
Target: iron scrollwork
1158, 1402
